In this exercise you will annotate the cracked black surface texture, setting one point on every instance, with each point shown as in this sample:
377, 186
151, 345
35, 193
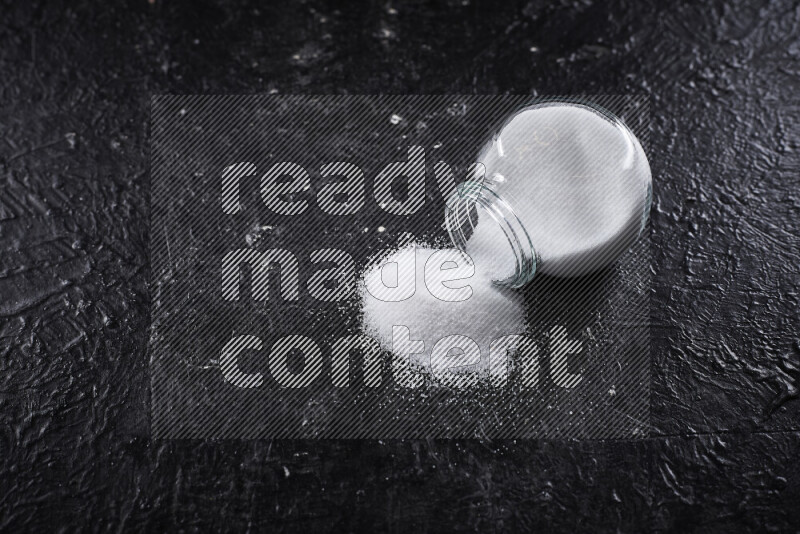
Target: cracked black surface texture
724, 78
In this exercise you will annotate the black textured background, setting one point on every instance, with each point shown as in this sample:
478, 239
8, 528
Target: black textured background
75, 82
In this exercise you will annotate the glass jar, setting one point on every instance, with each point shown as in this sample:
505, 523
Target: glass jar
566, 189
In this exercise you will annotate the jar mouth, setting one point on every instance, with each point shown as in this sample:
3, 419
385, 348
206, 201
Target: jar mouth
473, 198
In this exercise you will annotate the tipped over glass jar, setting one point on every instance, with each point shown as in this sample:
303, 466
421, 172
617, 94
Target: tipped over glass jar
566, 189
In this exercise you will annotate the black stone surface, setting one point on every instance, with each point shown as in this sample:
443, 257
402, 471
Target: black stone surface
724, 454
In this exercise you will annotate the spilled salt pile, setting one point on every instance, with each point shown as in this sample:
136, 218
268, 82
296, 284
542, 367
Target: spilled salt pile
483, 311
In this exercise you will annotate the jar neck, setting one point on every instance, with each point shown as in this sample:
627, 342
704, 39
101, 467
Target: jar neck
471, 199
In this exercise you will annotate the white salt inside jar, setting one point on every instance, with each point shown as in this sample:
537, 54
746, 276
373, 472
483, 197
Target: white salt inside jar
567, 189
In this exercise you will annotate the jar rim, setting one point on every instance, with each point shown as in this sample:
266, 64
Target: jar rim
473, 195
